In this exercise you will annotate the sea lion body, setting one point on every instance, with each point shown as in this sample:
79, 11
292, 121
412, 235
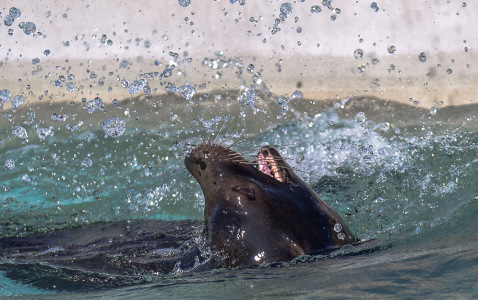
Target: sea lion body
261, 212
254, 213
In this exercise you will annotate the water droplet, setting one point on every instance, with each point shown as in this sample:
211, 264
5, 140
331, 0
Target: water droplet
59, 118
20, 132
187, 91
374, 6
449, 71
17, 101
5, 95
10, 32
315, 9
433, 111
8, 21
285, 10
375, 61
250, 68
114, 127
184, 3
94, 104
44, 132
341, 235
87, 162
360, 117
463, 4
29, 28
391, 49
422, 57
297, 95
282, 101
299, 159
136, 86
15, 12
358, 53
338, 227
9, 164
361, 68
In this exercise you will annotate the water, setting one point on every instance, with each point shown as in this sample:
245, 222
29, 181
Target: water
401, 175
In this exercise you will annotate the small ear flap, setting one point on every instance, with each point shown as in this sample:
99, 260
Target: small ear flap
246, 191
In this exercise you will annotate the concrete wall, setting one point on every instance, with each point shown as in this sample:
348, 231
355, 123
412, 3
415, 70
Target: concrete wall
144, 31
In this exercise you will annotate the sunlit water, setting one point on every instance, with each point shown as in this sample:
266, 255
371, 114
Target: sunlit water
404, 176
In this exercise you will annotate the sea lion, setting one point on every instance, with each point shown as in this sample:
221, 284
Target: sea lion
255, 212
261, 212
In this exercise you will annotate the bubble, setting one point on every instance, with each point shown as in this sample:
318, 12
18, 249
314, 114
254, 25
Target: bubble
358, 53
187, 91
422, 57
5, 95
374, 6
315, 9
391, 49
449, 71
297, 95
87, 162
46, 52
29, 27
341, 235
35, 61
360, 117
184, 3
375, 61
8, 21
361, 68
9, 164
114, 127
17, 101
338, 227
20, 132
433, 111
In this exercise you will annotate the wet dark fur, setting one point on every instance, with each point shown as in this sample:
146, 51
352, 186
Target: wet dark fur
252, 218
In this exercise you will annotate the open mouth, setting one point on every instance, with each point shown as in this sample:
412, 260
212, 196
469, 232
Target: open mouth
271, 163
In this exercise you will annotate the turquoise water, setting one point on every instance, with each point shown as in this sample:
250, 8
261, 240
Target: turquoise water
398, 174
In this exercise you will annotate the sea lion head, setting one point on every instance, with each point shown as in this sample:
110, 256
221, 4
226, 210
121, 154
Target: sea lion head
259, 212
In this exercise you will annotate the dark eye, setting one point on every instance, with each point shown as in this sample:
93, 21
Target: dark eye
202, 165
246, 191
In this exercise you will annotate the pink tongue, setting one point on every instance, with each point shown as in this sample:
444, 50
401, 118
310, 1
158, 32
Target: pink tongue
262, 165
